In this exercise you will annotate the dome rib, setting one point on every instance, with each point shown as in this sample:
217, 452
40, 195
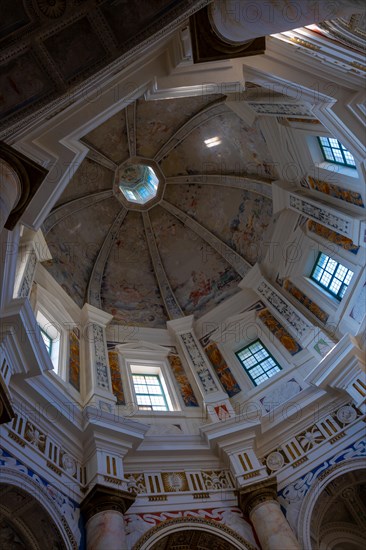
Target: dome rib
99, 157
131, 128
93, 291
171, 304
73, 206
234, 259
260, 186
218, 106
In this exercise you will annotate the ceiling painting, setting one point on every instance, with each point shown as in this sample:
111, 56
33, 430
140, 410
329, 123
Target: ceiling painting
74, 244
198, 275
237, 217
231, 148
129, 289
88, 178
110, 138
193, 226
157, 121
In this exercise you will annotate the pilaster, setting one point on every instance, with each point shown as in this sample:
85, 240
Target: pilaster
215, 398
32, 249
97, 376
338, 219
309, 335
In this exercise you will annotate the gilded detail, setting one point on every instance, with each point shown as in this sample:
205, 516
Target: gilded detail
306, 301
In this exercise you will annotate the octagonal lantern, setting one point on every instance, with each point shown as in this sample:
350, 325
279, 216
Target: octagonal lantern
139, 183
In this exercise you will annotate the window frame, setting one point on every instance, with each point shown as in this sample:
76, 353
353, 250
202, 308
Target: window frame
247, 371
326, 288
44, 320
51, 308
50, 340
340, 148
135, 359
162, 394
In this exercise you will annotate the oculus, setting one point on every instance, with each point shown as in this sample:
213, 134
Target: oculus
139, 183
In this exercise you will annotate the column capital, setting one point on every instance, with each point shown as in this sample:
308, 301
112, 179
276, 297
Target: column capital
101, 499
252, 495
178, 326
91, 314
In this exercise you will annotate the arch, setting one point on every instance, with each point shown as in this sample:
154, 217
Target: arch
347, 538
38, 492
155, 534
306, 510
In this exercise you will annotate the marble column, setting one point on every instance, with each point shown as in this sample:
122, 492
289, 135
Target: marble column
259, 502
10, 191
106, 530
103, 510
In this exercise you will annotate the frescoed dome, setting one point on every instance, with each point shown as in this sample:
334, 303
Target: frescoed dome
166, 219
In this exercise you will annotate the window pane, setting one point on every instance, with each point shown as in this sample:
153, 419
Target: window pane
348, 277
47, 341
260, 364
323, 259
149, 392
328, 154
334, 151
331, 275
331, 265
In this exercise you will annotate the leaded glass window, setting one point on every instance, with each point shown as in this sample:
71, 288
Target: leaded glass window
334, 151
331, 275
149, 392
258, 362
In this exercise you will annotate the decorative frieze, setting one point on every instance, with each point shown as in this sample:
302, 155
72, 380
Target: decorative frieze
222, 370
328, 429
323, 215
181, 378
6, 408
27, 434
116, 378
198, 361
74, 358
28, 275
284, 308
332, 236
179, 482
100, 357
313, 307
281, 109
